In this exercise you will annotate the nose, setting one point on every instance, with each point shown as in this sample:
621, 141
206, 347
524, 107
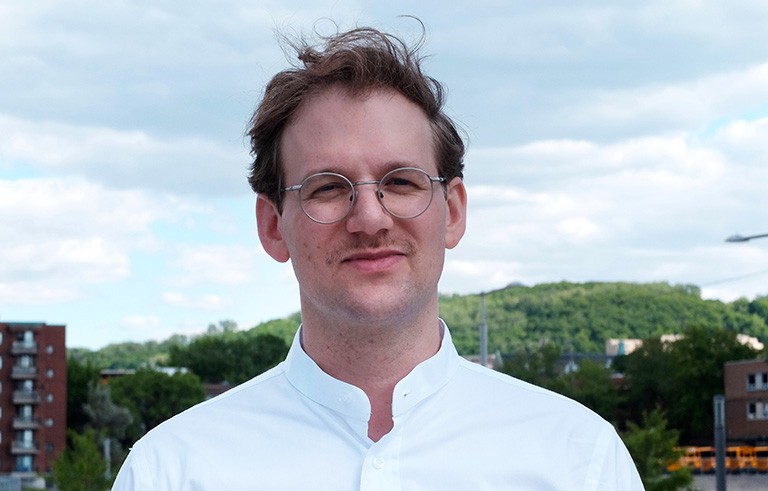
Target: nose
368, 216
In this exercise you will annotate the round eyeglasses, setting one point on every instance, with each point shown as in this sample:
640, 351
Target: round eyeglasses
328, 197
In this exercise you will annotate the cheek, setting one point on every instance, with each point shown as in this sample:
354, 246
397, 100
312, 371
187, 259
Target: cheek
309, 247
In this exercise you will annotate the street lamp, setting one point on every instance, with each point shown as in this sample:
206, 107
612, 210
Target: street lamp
741, 238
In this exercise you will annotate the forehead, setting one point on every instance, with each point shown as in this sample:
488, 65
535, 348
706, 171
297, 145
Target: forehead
359, 135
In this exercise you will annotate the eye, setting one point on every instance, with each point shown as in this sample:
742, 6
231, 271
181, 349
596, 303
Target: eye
405, 181
325, 188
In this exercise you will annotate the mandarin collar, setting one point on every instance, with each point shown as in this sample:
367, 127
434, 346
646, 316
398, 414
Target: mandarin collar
423, 381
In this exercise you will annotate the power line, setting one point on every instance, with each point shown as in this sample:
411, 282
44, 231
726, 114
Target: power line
736, 278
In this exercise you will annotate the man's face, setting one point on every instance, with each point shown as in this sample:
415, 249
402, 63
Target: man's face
370, 266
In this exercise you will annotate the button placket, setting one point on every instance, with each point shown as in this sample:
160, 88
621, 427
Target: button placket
381, 469
378, 462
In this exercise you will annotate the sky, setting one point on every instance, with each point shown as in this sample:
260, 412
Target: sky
608, 141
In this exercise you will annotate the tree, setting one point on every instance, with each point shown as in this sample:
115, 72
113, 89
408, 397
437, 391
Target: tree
592, 386
105, 417
223, 326
653, 447
80, 467
681, 378
109, 422
153, 396
538, 366
81, 376
699, 360
232, 357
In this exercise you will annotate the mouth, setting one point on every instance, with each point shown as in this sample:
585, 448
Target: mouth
374, 261
372, 255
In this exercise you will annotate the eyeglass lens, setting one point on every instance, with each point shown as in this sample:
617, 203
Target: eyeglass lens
329, 197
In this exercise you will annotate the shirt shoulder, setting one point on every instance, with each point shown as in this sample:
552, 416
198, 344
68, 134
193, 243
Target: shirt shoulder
164, 455
500, 385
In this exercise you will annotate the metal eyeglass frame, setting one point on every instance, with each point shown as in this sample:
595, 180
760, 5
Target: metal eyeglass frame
379, 194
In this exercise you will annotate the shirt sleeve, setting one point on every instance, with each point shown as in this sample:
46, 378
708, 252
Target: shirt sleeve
132, 475
618, 470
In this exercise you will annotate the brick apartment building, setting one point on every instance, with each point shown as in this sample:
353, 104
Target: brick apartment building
33, 396
746, 401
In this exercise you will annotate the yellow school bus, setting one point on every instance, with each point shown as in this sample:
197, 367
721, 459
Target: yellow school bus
740, 459
697, 459
761, 459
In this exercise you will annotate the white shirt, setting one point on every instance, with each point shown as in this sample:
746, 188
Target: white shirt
457, 426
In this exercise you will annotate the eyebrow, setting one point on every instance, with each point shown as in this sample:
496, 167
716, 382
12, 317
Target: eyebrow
387, 167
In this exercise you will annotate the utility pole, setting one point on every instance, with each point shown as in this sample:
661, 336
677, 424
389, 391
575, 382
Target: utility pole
719, 402
483, 332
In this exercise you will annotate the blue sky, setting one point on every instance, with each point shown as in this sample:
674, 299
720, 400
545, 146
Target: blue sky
608, 141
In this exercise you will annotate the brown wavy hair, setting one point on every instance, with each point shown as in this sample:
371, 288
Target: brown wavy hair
361, 60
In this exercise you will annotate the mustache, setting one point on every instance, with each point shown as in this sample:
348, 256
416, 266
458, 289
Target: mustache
357, 244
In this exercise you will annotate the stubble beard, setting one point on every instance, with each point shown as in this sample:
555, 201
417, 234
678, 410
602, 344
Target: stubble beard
362, 310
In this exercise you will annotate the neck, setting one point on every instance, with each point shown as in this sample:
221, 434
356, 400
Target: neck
372, 356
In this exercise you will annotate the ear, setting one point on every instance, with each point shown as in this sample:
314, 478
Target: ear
456, 216
268, 222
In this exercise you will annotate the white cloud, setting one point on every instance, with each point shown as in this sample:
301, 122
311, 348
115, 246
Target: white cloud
641, 208
66, 233
463, 276
216, 264
141, 323
673, 106
22, 292
125, 159
203, 302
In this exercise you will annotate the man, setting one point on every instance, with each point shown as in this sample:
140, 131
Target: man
359, 181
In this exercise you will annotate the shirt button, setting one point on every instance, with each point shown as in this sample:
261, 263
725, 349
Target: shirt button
378, 462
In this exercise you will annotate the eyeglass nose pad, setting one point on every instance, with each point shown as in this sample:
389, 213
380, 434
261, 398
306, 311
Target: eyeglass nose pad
381, 194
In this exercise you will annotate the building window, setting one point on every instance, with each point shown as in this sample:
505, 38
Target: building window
757, 411
49, 423
24, 463
49, 373
49, 398
751, 384
49, 350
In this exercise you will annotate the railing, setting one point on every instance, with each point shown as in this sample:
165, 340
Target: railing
26, 396
24, 447
25, 423
24, 348
23, 372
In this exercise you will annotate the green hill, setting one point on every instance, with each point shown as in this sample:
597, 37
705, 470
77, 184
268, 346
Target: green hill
582, 316
575, 316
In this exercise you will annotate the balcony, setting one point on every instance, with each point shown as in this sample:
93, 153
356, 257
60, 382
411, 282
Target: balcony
21, 373
26, 397
24, 448
24, 348
26, 423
